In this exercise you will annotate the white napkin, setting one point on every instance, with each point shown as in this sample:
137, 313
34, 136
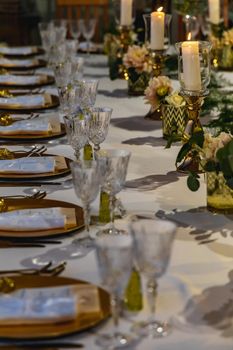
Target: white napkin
32, 219
27, 165
36, 126
25, 50
5, 62
23, 101
38, 305
48, 304
22, 79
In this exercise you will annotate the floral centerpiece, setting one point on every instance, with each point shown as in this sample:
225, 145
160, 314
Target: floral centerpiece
215, 154
138, 69
115, 45
168, 105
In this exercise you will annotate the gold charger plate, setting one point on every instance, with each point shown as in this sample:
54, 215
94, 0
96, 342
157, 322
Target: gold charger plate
51, 330
47, 79
51, 101
33, 63
74, 216
58, 130
62, 168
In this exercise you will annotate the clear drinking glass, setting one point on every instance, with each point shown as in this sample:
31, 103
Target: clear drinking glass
114, 178
76, 132
86, 91
67, 98
75, 30
153, 244
77, 69
98, 124
115, 259
62, 73
86, 178
87, 27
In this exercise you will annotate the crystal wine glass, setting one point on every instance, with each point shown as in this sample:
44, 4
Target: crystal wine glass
115, 258
86, 91
86, 178
98, 124
75, 30
76, 132
153, 244
115, 174
87, 27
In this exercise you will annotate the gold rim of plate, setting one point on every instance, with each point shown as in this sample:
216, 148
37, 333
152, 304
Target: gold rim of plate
36, 64
52, 330
53, 102
62, 168
48, 80
74, 221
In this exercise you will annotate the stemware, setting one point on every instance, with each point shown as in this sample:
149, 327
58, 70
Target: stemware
86, 91
86, 179
98, 124
75, 30
76, 132
62, 73
87, 27
115, 258
153, 243
114, 178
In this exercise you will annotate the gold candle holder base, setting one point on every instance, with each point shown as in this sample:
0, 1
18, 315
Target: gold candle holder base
157, 61
194, 102
125, 41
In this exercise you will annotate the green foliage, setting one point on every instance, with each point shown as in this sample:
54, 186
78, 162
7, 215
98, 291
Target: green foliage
193, 181
190, 7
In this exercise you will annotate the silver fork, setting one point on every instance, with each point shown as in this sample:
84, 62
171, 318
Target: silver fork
36, 195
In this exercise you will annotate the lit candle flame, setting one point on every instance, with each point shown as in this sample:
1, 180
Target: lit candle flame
189, 36
160, 9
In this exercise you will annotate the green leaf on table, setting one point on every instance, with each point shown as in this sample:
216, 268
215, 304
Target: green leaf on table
185, 149
193, 182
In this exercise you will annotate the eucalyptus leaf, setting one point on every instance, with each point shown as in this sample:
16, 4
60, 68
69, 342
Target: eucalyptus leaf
193, 183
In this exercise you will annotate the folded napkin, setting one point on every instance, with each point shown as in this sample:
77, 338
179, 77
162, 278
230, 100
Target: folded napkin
46, 305
25, 101
32, 219
27, 127
5, 62
23, 50
27, 165
22, 80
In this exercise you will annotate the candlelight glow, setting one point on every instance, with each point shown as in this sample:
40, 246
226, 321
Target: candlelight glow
160, 9
189, 36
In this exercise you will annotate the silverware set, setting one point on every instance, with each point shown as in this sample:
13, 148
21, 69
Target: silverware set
47, 269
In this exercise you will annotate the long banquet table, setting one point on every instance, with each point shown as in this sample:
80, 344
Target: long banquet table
199, 280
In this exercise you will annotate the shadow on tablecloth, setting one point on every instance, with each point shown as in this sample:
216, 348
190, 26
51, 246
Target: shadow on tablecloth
212, 307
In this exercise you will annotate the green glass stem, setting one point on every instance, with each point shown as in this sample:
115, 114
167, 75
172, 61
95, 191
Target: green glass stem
104, 209
133, 293
87, 152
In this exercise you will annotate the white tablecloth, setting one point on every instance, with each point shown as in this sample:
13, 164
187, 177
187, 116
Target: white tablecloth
199, 280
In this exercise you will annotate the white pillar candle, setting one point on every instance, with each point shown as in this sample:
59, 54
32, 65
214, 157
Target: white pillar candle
191, 65
126, 12
157, 30
214, 11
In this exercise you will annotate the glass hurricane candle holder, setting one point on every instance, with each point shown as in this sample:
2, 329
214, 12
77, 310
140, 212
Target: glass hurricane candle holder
193, 66
124, 12
194, 77
157, 42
